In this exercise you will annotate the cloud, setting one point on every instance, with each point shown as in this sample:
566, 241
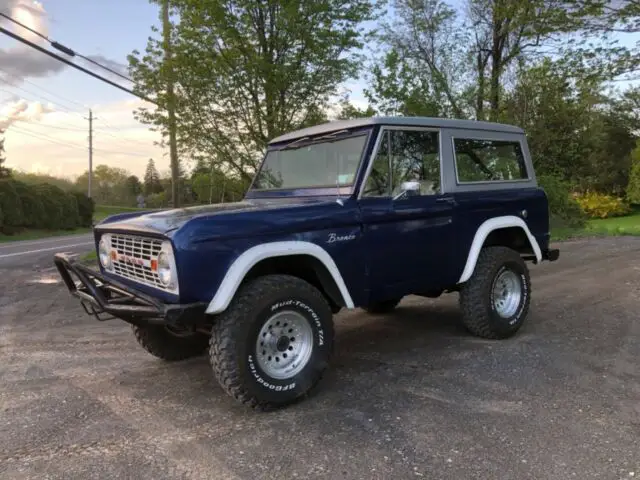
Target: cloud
19, 61
57, 143
22, 110
112, 64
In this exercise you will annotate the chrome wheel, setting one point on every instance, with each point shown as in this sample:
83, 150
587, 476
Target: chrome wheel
507, 293
284, 344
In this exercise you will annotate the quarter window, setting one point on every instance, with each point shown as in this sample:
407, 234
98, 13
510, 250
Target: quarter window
403, 156
489, 160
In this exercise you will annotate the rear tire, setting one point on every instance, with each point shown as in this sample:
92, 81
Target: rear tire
495, 300
273, 343
385, 306
161, 343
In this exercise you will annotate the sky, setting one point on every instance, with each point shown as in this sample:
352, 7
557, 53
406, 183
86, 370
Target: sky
44, 105
47, 103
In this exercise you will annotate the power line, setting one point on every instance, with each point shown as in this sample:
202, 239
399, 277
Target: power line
71, 64
39, 97
64, 48
42, 136
123, 140
49, 92
30, 133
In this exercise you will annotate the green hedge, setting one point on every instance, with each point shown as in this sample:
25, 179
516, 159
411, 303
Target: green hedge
11, 206
33, 214
86, 207
42, 206
564, 210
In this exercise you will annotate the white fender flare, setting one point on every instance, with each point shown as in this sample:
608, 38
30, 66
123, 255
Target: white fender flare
241, 266
483, 232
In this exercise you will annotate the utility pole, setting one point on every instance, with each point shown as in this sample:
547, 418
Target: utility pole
170, 103
91, 119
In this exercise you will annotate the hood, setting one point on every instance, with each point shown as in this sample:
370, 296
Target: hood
165, 221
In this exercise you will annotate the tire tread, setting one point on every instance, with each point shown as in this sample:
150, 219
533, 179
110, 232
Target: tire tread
223, 343
160, 343
472, 294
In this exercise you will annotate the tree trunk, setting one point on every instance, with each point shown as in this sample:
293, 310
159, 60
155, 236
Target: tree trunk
494, 95
480, 65
496, 62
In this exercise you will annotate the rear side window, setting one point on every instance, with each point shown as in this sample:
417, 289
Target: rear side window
489, 160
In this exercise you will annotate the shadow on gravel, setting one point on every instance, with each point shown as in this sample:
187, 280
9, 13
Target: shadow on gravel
404, 339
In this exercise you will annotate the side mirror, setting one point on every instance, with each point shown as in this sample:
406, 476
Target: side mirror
408, 189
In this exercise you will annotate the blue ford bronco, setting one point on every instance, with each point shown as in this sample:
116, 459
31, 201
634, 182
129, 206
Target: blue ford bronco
348, 214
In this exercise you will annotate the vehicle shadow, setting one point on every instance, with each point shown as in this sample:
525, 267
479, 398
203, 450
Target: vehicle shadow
403, 339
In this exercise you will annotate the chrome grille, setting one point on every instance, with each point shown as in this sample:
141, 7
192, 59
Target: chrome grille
134, 256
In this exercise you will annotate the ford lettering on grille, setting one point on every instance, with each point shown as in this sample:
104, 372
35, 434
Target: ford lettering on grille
132, 258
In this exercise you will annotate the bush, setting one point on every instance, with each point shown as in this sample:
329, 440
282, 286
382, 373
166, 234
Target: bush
599, 205
11, 206
564, 210
70, 211
1, 218
86, 208
53, 199
32, 208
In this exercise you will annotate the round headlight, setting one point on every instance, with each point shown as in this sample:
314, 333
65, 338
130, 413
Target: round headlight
164, 269
104, 254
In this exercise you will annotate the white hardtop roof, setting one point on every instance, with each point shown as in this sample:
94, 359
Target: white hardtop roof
397, 121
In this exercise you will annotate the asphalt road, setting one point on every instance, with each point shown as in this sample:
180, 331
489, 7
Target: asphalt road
409, 395
33, 253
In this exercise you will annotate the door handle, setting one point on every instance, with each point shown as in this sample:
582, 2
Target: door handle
449, 200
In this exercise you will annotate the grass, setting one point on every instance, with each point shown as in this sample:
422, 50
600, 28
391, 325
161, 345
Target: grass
91, 257
628, 225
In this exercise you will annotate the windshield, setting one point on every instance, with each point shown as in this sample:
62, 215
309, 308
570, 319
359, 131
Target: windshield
329, 163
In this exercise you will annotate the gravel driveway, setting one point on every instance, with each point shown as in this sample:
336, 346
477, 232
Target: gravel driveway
409, 395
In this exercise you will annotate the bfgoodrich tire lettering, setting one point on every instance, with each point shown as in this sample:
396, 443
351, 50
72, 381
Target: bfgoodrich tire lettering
233, 346
477, 296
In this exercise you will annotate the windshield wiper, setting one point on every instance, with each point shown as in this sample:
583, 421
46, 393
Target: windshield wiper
301, 139
291, 144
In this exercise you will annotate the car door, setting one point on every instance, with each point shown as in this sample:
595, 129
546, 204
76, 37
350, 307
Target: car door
407, 219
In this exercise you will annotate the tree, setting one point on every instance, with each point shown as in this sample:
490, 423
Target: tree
109, 185
348, 110
601, 18
151, 179
202, 166
247, 71
4, 171
133, 186
399, 88
505, 31
633, 190
424, 67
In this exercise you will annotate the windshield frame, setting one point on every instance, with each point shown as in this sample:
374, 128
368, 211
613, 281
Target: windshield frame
320, 190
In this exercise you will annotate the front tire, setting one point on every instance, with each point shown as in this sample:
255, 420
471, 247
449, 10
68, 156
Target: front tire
273, 343
169, 346
495, 300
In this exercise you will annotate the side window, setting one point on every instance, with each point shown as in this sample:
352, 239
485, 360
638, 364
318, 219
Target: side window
415, 157
489, 160
378, 182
